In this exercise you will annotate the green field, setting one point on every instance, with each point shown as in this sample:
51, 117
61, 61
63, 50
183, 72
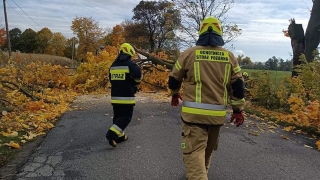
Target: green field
276, 76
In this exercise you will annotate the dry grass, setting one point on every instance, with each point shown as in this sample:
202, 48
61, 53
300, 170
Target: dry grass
25, 58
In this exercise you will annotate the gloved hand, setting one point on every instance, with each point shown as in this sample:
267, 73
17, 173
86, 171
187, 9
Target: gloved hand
175, 99
238, 116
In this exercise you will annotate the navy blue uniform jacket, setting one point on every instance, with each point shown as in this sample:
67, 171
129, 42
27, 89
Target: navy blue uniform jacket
124, 76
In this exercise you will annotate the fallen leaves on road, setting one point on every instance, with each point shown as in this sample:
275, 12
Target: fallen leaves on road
306, 146
272, 127
288, 128
318, 144
284, 137
253, 134
33, 118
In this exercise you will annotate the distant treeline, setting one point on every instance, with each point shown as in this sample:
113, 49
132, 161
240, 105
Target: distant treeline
272, 64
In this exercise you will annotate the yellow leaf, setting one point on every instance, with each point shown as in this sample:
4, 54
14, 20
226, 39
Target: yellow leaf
308, 146
272, 127
25, 126
272, 131
289, 128
4, 134
4, 113
284, 137
298, 131
138, 119
318, 144
13, 134
30, 136
49, 125
12, 144
253, 134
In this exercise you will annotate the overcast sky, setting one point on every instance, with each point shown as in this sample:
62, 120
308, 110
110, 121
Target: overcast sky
262, 21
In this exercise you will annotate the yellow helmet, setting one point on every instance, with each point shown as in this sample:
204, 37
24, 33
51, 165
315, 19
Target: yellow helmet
212, 22
126, 48
245, 74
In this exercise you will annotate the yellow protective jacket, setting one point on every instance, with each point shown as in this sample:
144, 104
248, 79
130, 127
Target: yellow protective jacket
207, 74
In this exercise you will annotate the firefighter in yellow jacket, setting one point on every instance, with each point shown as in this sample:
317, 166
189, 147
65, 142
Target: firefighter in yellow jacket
212, 78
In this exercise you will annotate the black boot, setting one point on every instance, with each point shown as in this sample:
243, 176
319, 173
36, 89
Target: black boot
122, 138
112, 138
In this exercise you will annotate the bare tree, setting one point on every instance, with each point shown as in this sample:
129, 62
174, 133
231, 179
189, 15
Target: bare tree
194, 11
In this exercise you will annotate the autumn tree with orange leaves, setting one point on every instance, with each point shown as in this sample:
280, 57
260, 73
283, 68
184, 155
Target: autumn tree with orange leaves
3, 35
89, 34
117, 36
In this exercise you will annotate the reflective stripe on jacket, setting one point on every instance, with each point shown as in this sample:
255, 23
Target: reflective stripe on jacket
123, 100
207, 74
204, 109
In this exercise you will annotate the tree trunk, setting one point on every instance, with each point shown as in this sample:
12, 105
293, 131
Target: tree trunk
313, 31
296, 34
156, 60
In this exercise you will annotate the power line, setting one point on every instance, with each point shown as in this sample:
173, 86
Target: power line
20, 14
1, 21
25, 13
306, 5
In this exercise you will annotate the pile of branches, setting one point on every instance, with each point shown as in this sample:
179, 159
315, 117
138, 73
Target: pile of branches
150, 63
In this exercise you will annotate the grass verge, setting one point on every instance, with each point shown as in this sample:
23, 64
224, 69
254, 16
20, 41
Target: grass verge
7, 153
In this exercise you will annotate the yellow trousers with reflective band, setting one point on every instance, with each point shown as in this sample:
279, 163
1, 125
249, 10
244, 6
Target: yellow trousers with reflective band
198, 143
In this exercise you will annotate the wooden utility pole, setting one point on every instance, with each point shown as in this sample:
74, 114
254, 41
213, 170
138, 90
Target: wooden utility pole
7, 27
72, 52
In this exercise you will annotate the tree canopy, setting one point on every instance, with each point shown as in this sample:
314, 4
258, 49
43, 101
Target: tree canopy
28, 41
43, 39
89, 34
158, 21
194, 11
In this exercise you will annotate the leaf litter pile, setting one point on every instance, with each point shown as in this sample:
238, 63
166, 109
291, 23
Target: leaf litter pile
256, 128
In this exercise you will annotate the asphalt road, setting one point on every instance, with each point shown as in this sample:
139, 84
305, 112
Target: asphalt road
76, 149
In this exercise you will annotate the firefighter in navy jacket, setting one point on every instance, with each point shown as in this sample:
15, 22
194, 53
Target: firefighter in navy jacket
124, 76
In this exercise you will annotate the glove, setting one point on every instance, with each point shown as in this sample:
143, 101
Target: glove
175, 99
238, 116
